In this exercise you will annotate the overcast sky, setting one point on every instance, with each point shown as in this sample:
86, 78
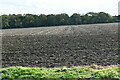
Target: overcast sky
58, 6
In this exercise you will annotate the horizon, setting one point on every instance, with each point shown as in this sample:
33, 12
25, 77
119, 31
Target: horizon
56, 14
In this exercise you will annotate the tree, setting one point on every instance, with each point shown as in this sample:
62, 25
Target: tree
85, 19
51, 20
12, 21
104, 17
62, 19
75, 19
28, 20
43, 20
19, 21
92, 17
5, 21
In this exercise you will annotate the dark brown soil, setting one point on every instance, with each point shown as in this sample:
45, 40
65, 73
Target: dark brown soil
61, 46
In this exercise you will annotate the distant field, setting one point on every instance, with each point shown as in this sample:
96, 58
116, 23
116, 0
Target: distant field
93, 29
74, 45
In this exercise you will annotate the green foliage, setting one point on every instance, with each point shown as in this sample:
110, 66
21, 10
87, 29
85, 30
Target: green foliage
30, 20
110, 73
75, 19
20, 73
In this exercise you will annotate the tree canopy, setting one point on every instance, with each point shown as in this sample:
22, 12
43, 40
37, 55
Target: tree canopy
42, 20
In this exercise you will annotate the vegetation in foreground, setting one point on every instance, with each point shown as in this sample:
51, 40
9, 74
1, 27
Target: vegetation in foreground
92, 72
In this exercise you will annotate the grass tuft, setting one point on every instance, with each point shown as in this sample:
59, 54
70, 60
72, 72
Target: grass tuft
32, 73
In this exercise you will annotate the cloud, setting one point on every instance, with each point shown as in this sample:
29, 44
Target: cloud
119, 8
58, 6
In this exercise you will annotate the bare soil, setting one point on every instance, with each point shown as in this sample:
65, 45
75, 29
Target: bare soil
74, 45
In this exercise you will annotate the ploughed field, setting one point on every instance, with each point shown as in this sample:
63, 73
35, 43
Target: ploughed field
74, 45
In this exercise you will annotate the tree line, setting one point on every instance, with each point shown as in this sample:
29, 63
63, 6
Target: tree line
42, 20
